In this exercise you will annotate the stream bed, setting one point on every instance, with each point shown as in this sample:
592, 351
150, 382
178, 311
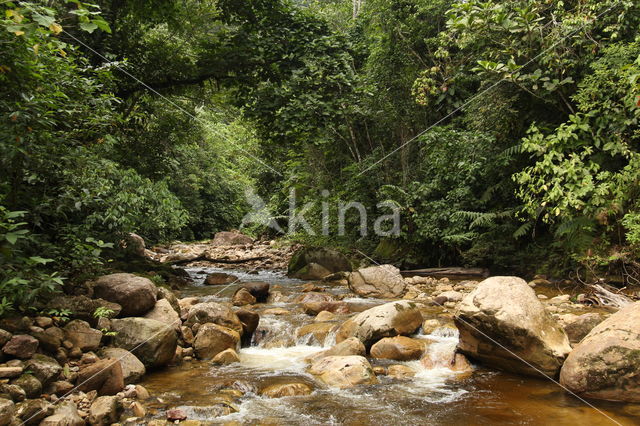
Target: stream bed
433, 396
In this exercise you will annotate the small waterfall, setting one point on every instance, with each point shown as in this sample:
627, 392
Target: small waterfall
441, 351
272, 333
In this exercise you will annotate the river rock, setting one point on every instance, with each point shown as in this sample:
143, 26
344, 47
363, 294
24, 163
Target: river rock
164, 312
132, 368
280, 390
104, 411
324, 316
30, 384
216, 313
507, 310
10, 372
250, 321
152, 342
388, 320
228, 356
82, 336
220, 278
176, 414
136, 295
258, 289
242, 297
350, 346
334, 306
33, 411
382, 281
578, 326
21, 346
399, 348
314, 263
606, 363
44, 368
7, 410
5, 336
230, 238
15, 392
65, 414
104, 376
344, 371
212, 339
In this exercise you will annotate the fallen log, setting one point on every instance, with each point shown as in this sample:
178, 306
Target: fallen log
452, 271
206, 258
599, 295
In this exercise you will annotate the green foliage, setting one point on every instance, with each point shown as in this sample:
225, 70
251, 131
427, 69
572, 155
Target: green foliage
23, 276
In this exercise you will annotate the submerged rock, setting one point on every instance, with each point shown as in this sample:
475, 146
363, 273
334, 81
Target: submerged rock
382, 281
503, 324
606, 363
344, 371
280, 390
388, 320
136, 295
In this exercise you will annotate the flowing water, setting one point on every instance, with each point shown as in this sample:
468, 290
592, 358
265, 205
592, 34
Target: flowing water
432, 396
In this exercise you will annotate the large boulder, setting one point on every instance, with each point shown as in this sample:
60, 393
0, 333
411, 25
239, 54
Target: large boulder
382, 281
212, 339
136, 295
230, 238
344, 371
152, 342
503, 324
606, 363
388, 320
132, 368
314, 263
164, 312
216, 313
